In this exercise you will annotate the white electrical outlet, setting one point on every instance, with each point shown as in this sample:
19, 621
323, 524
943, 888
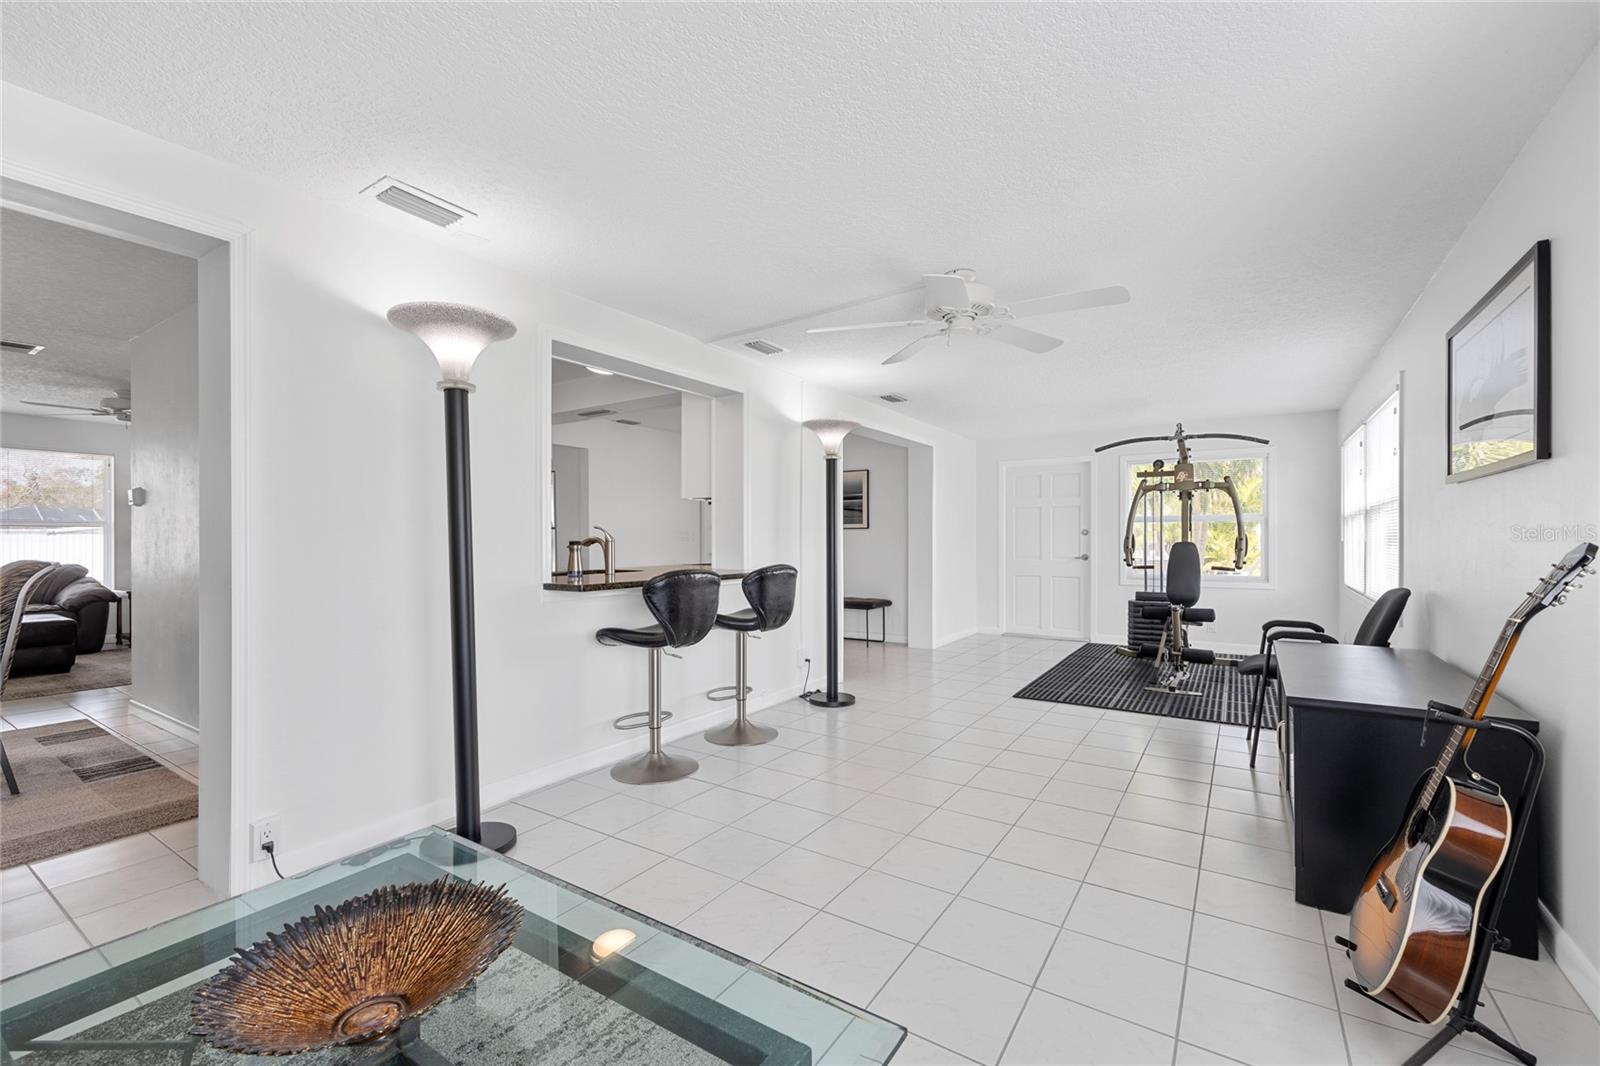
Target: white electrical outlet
263, 833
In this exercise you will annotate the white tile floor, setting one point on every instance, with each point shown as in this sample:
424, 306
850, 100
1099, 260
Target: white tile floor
1016, 882
69, 903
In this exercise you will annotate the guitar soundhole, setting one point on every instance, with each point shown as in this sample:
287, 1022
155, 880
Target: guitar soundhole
1420, 828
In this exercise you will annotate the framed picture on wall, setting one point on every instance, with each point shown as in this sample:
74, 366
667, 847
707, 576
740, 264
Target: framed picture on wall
856, 501
1497, 375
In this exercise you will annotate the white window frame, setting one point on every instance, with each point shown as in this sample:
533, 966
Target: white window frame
1263, 580
1360, 435
108, 525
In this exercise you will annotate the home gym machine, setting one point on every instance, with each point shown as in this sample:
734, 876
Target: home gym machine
1158, 613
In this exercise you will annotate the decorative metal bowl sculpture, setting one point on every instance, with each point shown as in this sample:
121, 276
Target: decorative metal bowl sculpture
355, 972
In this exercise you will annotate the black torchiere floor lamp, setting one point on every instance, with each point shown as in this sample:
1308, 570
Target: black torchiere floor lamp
456, 334
832, 432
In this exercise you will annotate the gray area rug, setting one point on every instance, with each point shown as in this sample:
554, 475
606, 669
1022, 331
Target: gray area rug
110, 668
80, 786
1097, 676
519, 1012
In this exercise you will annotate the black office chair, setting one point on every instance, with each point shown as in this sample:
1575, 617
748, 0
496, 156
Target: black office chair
1173, 653
684, 603
1375, 630
770, 592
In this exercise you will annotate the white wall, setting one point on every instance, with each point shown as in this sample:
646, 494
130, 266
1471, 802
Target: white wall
634, 484
875, 558
1302, 516
1462, 553
342, 449
165, 457
101, 436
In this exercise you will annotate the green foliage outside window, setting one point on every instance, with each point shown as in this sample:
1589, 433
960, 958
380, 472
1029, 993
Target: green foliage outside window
1213, 520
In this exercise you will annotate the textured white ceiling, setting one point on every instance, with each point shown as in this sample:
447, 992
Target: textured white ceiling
1275, 183
84, 296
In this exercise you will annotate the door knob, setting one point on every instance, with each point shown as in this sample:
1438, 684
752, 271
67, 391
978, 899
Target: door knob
1084, 556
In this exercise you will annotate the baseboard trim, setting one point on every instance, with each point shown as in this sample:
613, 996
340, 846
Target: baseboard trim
496, 793
951, 638
189, 732
1570, 959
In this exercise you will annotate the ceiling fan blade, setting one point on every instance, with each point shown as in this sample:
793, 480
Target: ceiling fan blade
66, 407
1071, 301
911, 349
864, 325
946, 290
1025, 338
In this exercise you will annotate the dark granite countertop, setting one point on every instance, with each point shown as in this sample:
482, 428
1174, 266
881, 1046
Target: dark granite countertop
629, 577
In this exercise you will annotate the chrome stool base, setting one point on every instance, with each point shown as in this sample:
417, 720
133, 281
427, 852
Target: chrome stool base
654, 765
740, 732
652, 768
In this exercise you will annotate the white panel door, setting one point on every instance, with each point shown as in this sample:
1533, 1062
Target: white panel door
1047, 550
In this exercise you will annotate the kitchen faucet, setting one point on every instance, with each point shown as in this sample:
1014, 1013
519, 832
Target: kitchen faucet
608, 548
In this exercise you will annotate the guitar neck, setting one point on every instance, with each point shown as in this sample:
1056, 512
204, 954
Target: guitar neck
1477, 703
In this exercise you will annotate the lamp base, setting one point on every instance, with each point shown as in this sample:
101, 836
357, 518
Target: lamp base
496, 836
820, 699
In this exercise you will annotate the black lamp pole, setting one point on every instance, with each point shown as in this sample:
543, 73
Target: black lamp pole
463, 630
831, 696
456, 334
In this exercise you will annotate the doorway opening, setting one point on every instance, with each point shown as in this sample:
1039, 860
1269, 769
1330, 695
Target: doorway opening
115, 466
875, 537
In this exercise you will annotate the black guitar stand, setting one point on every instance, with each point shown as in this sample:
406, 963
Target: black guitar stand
1463, 1016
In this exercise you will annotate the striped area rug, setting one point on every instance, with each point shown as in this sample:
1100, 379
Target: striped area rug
80, 786
1097, 676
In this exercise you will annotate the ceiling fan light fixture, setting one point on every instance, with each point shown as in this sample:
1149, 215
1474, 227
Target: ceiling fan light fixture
959, 305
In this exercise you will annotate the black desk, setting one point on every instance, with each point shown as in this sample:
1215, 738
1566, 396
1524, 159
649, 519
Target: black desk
1350, 772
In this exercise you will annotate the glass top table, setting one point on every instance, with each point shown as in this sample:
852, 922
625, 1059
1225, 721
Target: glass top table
663, 999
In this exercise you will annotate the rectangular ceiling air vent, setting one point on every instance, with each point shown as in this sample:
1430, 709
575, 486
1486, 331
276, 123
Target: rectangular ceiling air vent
596, 412
417, 202
764, 347
892, 397
19, 348
628, 422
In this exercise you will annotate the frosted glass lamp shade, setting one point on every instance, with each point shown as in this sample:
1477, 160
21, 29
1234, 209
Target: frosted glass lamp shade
832, 432
455, 333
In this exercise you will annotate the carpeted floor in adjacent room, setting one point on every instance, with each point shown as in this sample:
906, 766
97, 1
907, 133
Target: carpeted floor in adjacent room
82, 785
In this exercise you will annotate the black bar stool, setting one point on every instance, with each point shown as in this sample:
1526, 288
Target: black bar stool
684, 603
770, 591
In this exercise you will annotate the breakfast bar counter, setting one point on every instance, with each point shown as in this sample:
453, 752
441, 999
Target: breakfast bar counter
628, 577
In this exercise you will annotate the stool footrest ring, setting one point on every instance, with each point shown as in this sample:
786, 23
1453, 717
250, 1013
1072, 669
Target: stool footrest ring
636, 720
727, 692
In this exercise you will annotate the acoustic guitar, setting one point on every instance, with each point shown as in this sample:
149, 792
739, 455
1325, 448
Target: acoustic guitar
1415, 923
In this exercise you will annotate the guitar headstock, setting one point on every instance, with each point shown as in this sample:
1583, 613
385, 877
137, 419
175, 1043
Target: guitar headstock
1552, 591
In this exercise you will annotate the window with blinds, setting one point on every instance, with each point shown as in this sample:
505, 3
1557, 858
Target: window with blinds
1370, 501
56, 506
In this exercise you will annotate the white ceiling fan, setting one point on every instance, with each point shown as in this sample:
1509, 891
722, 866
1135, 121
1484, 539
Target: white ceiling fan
119, 406
961, 306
